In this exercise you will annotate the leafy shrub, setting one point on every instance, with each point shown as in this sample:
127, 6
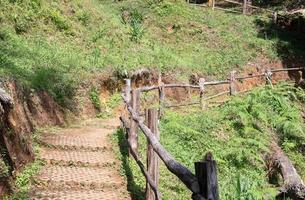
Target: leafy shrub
134, 20
23, 181
4, 170
95, 99
59, 21
84, 17
99, 34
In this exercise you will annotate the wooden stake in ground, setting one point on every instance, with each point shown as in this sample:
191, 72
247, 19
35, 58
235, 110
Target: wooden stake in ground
161, 96
245, 7
152, 157
206, 173
133, 133
233, 83
202, 89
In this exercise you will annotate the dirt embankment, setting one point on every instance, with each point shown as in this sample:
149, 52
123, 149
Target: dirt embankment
28, 111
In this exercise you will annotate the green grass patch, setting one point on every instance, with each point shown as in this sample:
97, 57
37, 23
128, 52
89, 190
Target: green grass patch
55, 45
23, 181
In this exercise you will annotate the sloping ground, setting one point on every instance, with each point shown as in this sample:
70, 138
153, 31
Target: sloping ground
80, 165
57, 45
239, 134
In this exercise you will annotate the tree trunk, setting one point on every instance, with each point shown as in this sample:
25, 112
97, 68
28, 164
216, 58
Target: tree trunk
293, 186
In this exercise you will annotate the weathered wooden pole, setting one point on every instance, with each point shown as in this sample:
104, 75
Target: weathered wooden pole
233, 90
206, 173
245, 7
128, 89
202, 90
161, 96
274, 16
268, 77
249, 8
210, 4
134, 127
152, 157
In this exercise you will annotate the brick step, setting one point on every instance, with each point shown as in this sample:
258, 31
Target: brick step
78, 195
57, 177
77, 158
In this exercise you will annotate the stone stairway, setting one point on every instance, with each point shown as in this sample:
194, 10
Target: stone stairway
80, 164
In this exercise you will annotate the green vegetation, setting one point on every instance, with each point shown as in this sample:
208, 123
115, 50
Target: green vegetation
4, 170
110, 105
23, 181
238, 134
58, 45
95, 99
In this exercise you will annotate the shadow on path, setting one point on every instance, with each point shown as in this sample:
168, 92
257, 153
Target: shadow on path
137, 193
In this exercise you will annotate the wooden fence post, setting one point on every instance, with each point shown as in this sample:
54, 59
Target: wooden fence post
274, 16
233, 83
161, 96
245, 7
134, 127
128, 89
152, 157
210, 4
268, 76
206, 173
202, 89
249, 8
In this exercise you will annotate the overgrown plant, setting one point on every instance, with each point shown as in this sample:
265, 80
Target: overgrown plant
95, 98
23, 181
134, 19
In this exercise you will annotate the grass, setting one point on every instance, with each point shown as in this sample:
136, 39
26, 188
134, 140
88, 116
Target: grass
56, 45
23, 181
238, 134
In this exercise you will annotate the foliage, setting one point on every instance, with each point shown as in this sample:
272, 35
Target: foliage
95, 99
4, 170
76, 39
23, 181
109, 106
238, 134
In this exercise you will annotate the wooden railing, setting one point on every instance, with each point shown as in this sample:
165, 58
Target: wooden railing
245, 7
203, 184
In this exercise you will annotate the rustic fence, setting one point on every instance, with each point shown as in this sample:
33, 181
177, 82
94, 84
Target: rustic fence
245, 7
203, 184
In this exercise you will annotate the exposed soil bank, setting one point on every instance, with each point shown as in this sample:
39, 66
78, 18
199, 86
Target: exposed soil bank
29, 110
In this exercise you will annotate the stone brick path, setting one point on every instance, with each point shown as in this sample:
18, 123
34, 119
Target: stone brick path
80, 165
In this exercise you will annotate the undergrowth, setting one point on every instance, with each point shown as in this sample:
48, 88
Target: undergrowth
58, 45
23, 180
238, 134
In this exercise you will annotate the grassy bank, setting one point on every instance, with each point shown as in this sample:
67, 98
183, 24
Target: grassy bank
238, 134
57, 45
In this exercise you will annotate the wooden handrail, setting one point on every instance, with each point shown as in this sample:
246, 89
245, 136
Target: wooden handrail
183, 173
210, 83
135, 121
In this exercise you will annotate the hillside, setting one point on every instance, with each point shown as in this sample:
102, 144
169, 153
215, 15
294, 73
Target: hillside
239, 135
57, 45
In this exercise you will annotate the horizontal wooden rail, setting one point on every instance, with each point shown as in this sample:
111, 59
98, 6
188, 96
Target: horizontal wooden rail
227, 10
185, 104
188, 86
183, 173
216, 95
210, 83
